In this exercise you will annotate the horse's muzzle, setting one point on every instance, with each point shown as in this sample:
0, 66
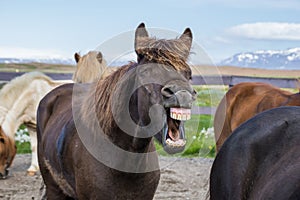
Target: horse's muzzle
179, 98
3, 175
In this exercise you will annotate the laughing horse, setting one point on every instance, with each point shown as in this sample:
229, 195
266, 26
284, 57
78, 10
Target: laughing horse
95, 141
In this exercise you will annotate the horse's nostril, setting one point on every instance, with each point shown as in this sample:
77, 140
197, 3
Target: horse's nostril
195, 94
167, 92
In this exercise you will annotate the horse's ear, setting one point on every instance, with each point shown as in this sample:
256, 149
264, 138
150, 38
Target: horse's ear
99, 57
140, 33
77, 57
187, 38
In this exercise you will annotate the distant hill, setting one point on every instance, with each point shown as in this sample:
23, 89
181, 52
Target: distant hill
286, 59
63, 61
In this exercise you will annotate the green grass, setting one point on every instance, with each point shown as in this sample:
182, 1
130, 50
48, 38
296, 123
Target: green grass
209, 96
23, 148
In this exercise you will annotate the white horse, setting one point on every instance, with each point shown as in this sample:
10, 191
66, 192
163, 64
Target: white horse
19, 100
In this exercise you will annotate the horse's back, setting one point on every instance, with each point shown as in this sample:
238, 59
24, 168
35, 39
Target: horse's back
242, 102
260, 160
48, 103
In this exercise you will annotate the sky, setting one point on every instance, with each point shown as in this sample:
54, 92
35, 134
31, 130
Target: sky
221, 28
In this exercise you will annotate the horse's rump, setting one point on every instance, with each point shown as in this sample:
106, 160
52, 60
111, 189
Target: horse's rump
260, 160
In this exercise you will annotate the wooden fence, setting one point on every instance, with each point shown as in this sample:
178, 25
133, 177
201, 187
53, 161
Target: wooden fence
197, 80
233, 80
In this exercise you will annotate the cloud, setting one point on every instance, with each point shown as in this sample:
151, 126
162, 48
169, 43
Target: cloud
280, 4
266, 31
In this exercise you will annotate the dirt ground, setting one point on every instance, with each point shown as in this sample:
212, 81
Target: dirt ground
181, 178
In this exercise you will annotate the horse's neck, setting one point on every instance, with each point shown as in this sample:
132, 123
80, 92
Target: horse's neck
23, 110
10, 124
128, 142
3, 113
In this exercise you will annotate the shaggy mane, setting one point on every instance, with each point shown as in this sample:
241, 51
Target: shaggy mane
100, 94
172, 53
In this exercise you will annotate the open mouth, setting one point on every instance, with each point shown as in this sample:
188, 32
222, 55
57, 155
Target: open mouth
173, 134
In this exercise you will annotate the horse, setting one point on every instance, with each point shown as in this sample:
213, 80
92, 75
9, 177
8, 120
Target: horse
95, 141
19, 101
90, 67
245, 100
260, 159
7, 153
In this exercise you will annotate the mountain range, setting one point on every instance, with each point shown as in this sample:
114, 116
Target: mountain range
285, 59
62, 61
266, 59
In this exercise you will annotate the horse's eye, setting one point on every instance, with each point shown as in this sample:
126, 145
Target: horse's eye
2, 140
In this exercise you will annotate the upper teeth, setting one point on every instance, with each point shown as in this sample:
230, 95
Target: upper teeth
180, 113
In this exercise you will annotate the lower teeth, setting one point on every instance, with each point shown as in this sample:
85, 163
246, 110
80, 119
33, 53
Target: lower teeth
177, 143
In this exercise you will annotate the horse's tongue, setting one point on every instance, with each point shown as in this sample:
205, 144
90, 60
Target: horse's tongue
182, 114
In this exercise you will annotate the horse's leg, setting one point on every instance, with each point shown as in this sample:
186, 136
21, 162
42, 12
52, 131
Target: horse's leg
49, 189
34, 167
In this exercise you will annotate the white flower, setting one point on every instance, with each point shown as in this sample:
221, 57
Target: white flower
21, 136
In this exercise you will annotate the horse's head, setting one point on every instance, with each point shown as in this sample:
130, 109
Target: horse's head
164, 77
7, 153
90, 67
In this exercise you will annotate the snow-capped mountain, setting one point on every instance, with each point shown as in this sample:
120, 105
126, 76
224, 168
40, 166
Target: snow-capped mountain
286, 59
63, 61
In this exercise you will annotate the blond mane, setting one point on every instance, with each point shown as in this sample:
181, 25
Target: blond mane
90, 67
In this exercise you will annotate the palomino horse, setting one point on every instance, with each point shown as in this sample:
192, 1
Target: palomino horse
261, 159
245, 100
95, 140
90, 67
19, 101
7, 153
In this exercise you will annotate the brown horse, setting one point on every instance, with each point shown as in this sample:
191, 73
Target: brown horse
95, 141
245, 100
8, 151
260, 159
90, 67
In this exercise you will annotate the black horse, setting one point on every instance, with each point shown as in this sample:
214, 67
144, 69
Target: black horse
261, 159
95, 141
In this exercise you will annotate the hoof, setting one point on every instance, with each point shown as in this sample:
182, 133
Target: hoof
31, 173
